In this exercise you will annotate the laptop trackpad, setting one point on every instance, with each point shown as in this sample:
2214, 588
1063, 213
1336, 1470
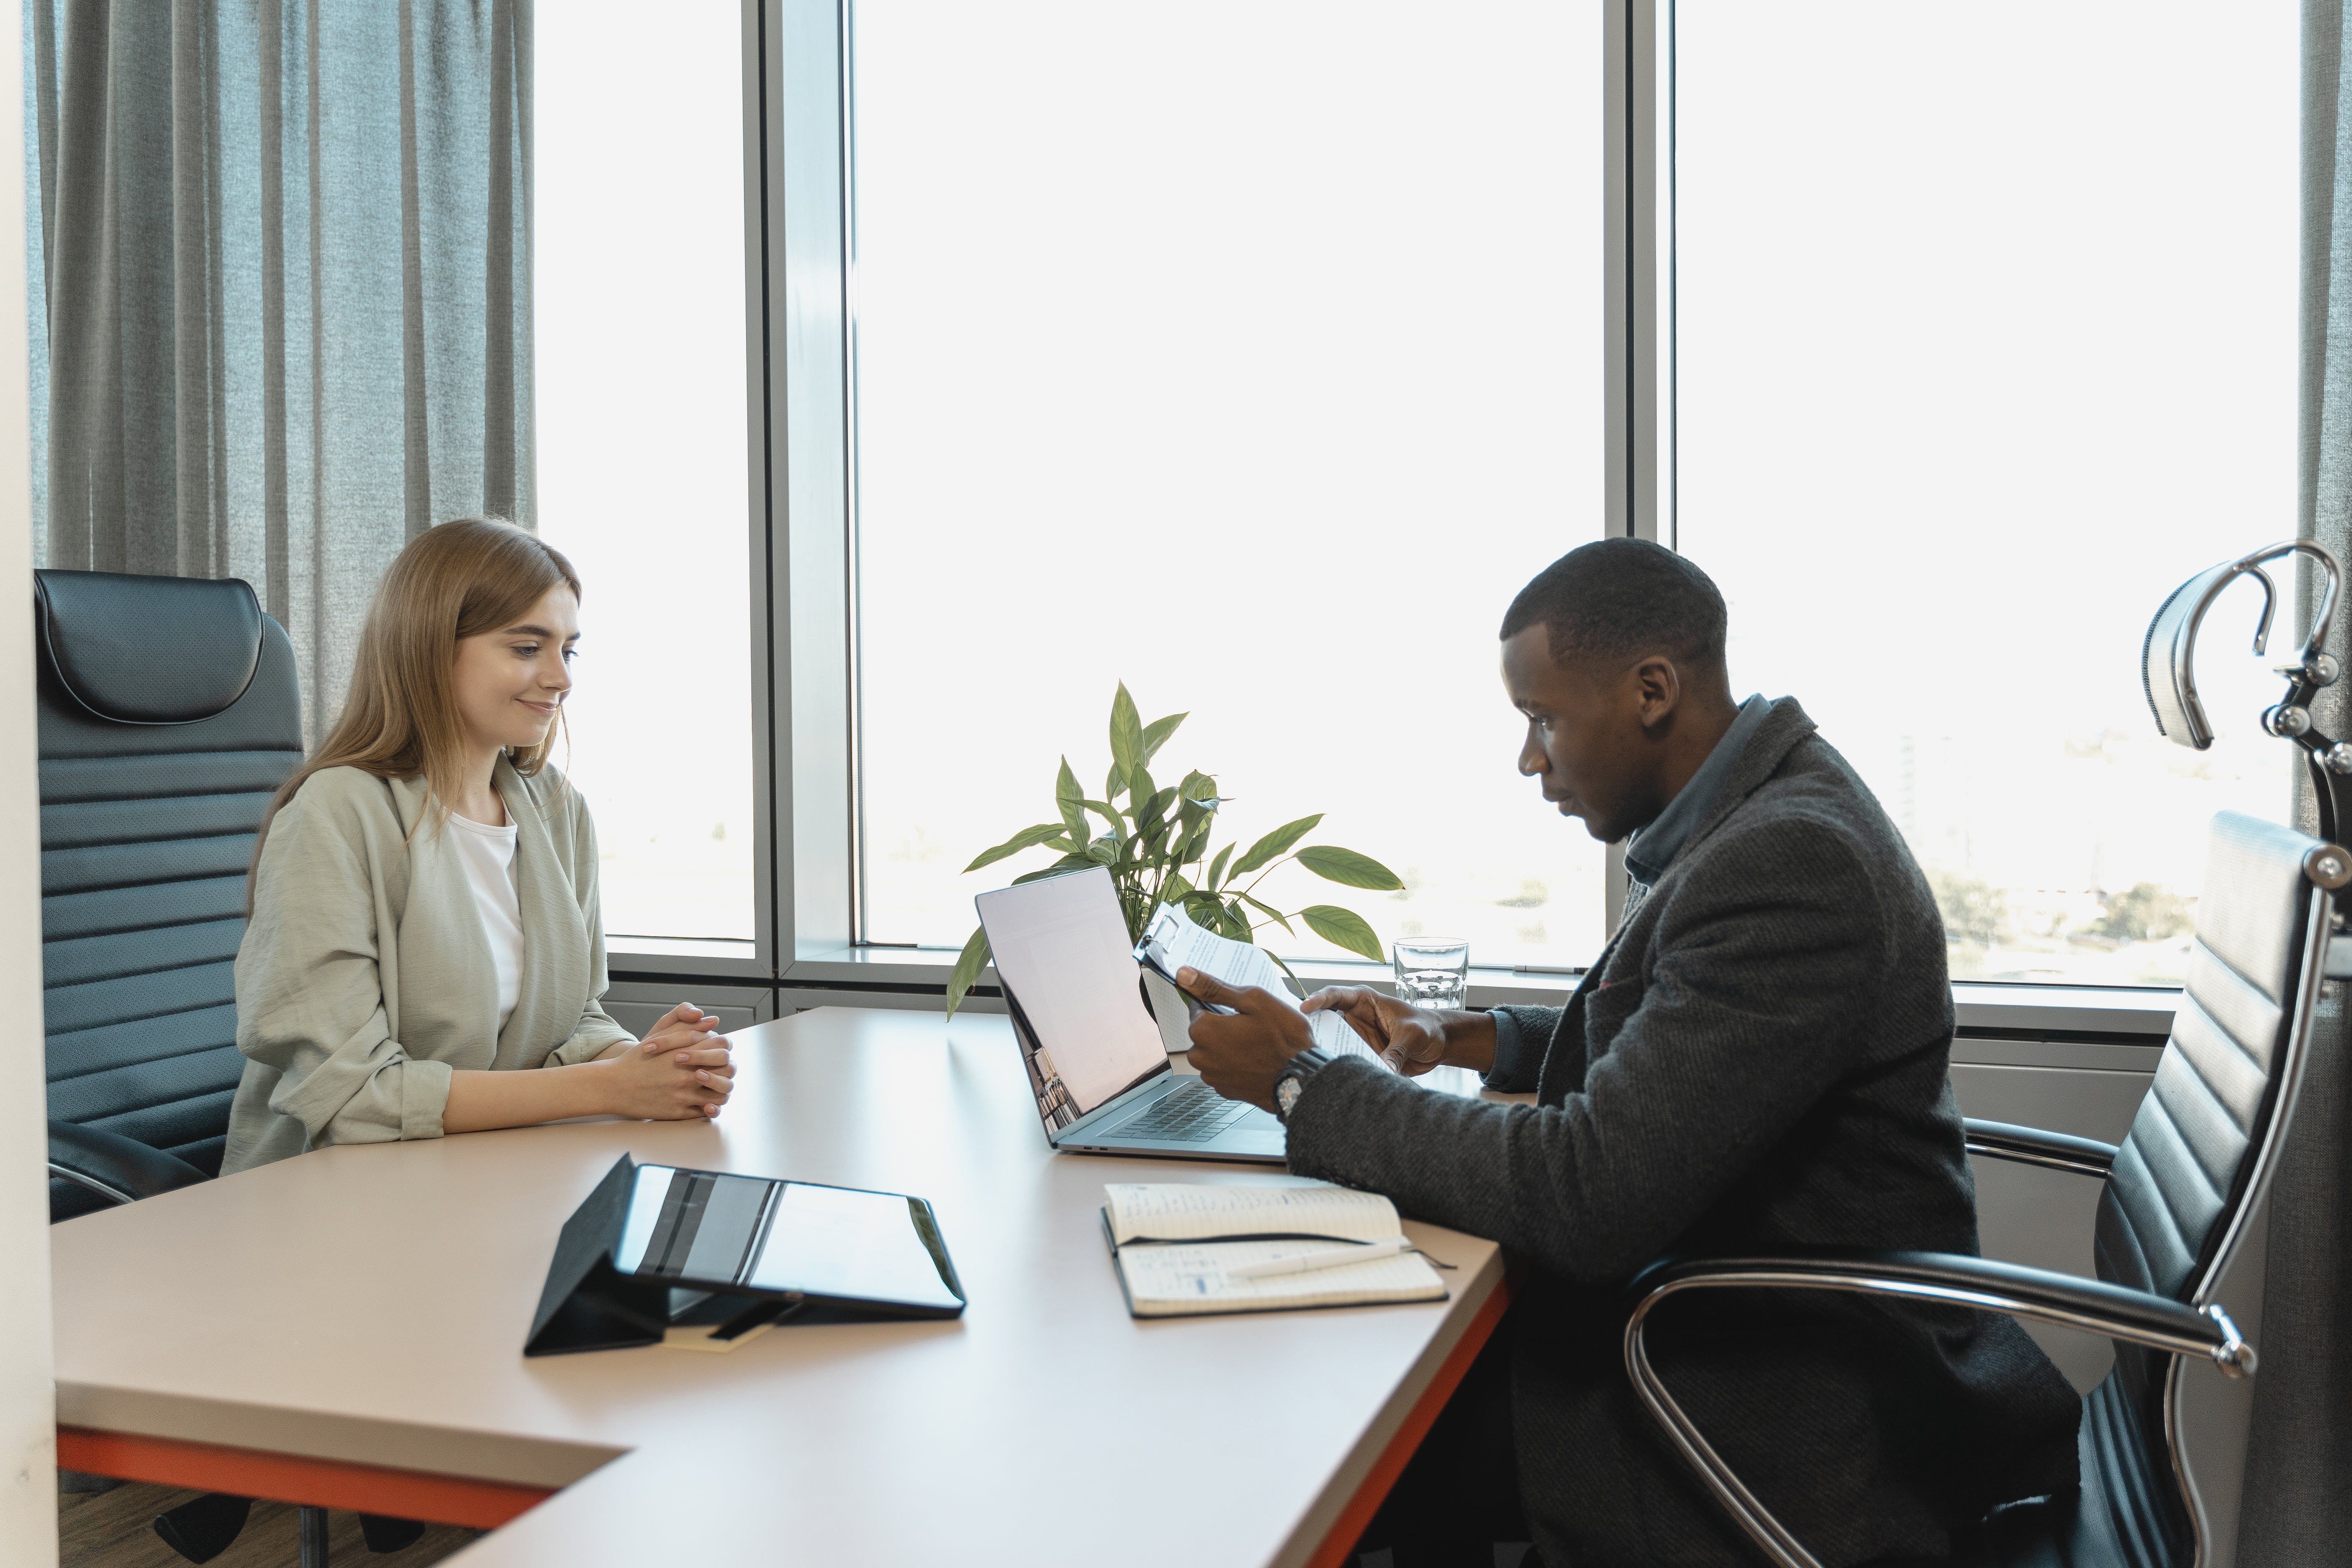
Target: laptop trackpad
1259, 1133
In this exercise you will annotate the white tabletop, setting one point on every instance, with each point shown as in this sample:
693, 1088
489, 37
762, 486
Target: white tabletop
368, 1305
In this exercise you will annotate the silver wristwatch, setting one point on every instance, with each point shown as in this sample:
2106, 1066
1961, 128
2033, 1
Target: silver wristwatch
1291, 1082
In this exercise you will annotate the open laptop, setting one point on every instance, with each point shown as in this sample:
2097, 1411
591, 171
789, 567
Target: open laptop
1096, 1060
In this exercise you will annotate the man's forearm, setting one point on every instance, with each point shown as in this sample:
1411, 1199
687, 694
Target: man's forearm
481, 1100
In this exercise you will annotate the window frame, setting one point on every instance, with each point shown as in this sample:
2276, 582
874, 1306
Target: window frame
801, 368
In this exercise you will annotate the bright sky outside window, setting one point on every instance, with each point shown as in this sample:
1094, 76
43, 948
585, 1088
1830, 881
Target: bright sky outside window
1986, 340
643, 480
1249, 353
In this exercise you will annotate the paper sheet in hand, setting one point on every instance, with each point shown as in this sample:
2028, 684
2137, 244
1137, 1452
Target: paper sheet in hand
1239, 964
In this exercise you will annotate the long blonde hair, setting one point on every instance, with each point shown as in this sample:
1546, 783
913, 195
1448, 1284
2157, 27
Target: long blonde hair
400, 718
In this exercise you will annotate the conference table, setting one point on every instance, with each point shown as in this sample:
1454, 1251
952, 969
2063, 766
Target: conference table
345, 1329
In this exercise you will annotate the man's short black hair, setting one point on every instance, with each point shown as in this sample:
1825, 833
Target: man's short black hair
1620, 599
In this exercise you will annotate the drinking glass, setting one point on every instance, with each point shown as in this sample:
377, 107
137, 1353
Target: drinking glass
1432, 972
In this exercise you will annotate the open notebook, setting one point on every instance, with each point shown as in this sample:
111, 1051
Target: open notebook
1176, 1245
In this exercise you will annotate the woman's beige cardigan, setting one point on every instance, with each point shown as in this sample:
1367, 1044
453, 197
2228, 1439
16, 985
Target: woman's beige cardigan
365, 978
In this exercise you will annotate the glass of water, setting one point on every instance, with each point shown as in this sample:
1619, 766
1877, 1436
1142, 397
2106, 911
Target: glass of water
1432, 972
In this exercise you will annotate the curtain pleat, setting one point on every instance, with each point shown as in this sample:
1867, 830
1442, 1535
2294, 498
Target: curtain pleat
279, 268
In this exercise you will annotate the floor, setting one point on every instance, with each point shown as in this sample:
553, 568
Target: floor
114, 1530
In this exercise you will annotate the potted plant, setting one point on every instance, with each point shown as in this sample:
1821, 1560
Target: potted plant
1155, 842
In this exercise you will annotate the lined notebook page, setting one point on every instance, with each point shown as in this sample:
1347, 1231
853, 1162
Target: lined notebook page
1176, 1281
1176, 1211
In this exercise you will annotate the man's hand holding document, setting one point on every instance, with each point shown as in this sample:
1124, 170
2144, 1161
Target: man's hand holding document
1172, 942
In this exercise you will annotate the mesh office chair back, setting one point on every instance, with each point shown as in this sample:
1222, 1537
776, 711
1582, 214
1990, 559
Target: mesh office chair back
169, 713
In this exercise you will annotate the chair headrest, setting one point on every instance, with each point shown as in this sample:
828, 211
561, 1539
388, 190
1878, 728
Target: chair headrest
2168, 665
149, 650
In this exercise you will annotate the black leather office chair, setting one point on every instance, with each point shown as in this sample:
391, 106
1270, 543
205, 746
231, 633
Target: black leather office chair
169, 713
2178, 1192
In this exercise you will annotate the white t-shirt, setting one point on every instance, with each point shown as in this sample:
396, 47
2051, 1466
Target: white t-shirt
487, 854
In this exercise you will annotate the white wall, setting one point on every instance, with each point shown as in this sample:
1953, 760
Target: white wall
28, 1489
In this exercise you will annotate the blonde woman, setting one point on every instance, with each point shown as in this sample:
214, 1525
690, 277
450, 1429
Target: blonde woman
425, 920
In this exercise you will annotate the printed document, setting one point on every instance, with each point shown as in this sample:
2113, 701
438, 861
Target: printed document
1239, 964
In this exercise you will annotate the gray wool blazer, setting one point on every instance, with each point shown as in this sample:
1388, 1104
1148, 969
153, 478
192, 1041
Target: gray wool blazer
365, 979
1759, 1059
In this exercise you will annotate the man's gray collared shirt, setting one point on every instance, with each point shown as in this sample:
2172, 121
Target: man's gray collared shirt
1653, 848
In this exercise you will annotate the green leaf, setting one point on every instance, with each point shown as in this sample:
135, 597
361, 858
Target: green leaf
1126, 733
1343, 928
967, 968
1349, 868
1156, 733
1072, 802
1103, 852
1026, 839
1234, 923
1110, 815
1114, 783
1217, 867
1176, 890
1154, 812
1275, 844
1276, 916
1289, 977
1196, 799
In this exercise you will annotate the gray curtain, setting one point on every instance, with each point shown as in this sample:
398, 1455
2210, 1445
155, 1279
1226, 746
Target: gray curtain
2298, 1497
281, 279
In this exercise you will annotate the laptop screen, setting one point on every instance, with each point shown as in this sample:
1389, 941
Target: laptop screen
1062, 949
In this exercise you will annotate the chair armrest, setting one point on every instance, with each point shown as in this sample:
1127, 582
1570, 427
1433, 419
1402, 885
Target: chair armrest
2032, 1146
2138, 1317
118, 1169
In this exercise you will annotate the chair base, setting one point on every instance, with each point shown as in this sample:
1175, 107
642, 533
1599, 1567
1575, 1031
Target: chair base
203, 1530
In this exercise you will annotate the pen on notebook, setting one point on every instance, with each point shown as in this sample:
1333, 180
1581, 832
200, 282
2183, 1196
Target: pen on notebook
1328, 1257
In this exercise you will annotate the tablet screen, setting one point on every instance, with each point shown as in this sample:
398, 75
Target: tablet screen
748, 1233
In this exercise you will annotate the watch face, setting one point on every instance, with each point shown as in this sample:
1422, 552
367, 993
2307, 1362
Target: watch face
1286, 1093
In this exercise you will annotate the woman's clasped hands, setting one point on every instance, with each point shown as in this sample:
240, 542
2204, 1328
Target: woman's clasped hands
682, 1069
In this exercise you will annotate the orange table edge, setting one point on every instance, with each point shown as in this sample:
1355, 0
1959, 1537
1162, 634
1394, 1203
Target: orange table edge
291, 1478
1340, 1544
486, 1505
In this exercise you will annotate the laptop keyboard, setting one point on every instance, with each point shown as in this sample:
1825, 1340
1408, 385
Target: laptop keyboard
1189, 1113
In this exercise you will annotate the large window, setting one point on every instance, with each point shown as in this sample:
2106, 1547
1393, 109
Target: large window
642, 433
1250, 354
1985, 340
1255, 352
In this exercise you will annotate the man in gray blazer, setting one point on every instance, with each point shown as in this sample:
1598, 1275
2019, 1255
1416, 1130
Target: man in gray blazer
1757, 1060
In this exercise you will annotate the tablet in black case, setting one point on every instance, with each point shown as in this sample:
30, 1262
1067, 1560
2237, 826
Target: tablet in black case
654, 1244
